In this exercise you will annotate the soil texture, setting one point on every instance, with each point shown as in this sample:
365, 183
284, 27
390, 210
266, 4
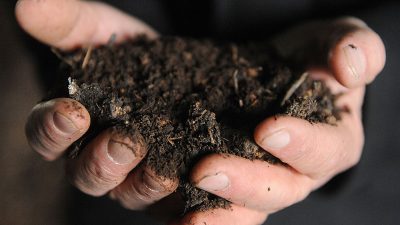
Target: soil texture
186, 98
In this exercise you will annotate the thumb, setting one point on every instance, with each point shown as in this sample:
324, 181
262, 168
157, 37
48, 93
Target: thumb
347, 47
67, 24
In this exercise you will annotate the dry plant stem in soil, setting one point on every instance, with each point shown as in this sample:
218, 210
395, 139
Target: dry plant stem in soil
185, 98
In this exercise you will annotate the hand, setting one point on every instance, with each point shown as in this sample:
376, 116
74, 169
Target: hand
347, 55
109, 164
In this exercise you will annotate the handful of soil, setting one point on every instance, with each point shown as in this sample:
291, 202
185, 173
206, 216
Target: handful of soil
187, 98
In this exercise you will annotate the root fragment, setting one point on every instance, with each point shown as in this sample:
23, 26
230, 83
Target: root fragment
294, 87
87, 57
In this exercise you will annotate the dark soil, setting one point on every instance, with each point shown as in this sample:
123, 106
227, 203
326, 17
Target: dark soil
188, 98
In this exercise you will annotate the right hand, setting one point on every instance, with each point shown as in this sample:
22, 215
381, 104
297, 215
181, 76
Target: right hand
110, 163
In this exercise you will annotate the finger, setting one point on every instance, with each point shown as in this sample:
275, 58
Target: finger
347, 46
67, 24
54, 125
143, 187
236, 215
264, 187
105, 162
317, 150
358, 55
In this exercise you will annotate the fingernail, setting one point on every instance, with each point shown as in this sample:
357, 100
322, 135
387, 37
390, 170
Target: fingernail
277, 140
355, 59
120, 152
216, 182
64, 124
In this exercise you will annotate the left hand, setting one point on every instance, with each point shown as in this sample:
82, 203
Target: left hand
347, 55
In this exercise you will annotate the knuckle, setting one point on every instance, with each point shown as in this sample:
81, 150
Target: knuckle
152, 186
142, 190
99, 174
93, 178
130, 197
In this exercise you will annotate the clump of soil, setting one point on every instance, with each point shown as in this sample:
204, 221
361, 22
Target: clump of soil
187, 98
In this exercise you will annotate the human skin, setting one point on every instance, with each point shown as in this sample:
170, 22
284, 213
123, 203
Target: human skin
351, 57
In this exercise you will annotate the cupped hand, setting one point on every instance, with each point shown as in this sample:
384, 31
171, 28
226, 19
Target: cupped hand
347, 55
110, 163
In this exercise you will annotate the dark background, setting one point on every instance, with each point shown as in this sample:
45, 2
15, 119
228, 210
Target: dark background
36, 192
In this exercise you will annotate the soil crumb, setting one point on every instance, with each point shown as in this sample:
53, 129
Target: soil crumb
187, 98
